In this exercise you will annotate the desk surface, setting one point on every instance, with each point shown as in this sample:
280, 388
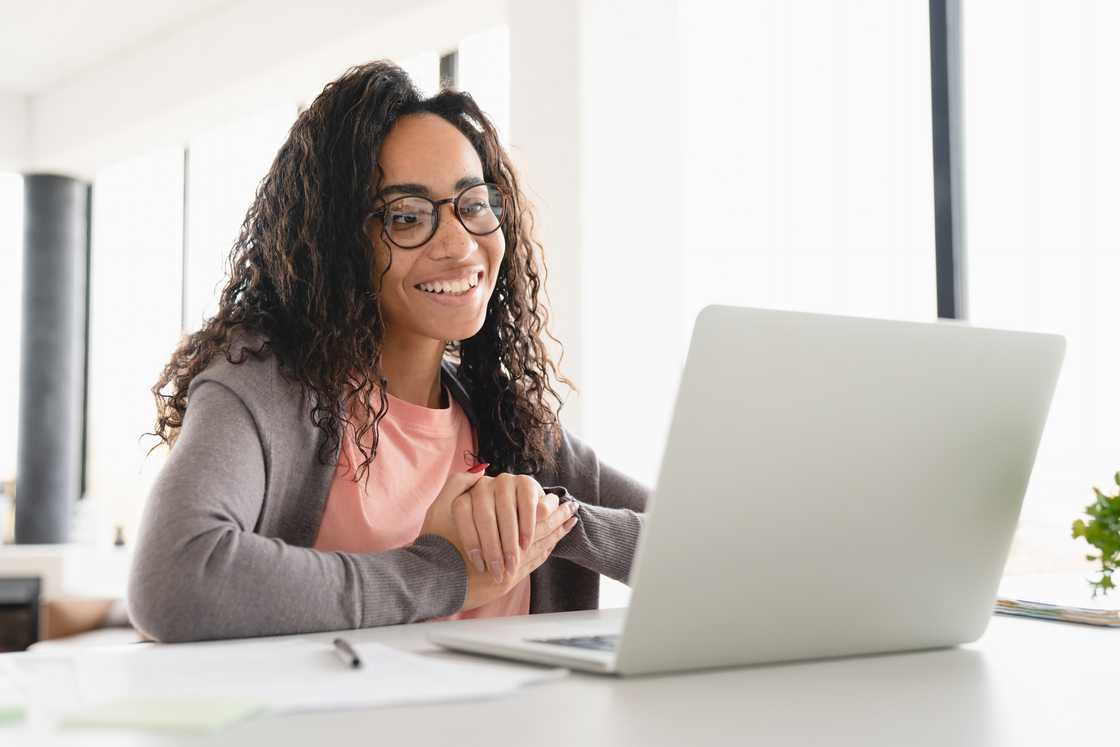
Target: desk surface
1026, 682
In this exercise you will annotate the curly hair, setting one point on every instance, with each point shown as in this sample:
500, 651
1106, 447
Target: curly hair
300, 275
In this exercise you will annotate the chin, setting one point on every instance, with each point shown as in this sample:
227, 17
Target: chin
458, 331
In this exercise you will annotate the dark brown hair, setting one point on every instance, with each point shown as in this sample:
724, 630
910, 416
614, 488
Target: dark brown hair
301, 277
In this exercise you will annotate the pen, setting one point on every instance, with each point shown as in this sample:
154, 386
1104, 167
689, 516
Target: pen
347, 653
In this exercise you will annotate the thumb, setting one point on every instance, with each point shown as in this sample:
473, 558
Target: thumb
460, 482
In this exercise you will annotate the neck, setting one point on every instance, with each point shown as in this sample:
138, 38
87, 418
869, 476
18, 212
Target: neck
411, 366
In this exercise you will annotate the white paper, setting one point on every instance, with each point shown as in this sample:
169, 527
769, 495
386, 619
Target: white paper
1065, 589
293, 675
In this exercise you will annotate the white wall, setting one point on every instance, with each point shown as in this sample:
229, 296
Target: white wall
545, 108
15, 132
484, 72
231, 63
632, 194
11, 287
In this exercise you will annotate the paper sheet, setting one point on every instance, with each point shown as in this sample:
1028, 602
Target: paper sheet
292, 675
1064, 589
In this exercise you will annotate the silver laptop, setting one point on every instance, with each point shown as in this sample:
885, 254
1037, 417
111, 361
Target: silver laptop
830, 486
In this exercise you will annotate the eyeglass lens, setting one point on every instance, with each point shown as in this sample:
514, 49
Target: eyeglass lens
410, 221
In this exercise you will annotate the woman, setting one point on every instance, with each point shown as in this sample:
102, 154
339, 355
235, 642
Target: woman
377, 346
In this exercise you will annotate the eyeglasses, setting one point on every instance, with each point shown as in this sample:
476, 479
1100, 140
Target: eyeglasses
411, 221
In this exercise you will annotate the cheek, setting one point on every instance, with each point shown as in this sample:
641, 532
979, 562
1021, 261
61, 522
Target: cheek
386, 259
378, 263
388, 284
497, 252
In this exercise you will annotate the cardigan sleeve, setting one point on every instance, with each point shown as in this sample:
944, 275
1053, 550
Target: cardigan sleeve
200, 571
611, 510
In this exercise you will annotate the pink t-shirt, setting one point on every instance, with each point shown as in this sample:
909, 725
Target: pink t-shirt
417, 449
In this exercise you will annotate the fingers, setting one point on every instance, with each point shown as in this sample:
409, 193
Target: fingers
440, 517
486, 522
463, 514
459, 483
499, 519
546, 543
505, 506
529, 493
545, 506
555, 521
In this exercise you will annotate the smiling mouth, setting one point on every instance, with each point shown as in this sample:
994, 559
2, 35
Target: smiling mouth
451, 288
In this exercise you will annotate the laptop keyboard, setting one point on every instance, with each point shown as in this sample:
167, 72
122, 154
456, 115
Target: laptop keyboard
593, 642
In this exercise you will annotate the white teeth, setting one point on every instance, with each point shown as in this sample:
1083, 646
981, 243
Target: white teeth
450, 286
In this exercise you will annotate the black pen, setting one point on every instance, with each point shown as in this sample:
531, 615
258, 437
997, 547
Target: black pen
347, 653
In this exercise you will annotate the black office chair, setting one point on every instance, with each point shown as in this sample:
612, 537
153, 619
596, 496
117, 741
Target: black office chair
19, 613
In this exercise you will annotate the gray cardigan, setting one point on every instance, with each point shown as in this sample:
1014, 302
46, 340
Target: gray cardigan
224, 548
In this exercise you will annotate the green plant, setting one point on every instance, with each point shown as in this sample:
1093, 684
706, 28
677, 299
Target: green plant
1102, 532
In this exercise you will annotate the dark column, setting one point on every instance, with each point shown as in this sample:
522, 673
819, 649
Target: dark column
449, 70
53, 350
948, 157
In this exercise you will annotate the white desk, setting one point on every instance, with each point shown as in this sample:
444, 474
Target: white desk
1025, 682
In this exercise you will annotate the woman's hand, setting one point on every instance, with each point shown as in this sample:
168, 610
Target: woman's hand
494, 518
553, 523
492, 521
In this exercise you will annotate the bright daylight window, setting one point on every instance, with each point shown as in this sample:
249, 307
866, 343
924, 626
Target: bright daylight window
225, 165
1043, 228
807, 175
805, 139
135, 312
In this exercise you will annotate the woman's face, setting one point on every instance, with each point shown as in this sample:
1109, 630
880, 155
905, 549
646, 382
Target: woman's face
424, 154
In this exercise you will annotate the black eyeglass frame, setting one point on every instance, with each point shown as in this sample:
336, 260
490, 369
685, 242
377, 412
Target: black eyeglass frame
379, 213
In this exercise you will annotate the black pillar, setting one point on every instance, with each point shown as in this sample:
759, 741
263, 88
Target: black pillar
449, 70
53, 352
948, 157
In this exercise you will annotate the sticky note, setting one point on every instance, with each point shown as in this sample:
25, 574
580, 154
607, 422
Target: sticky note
193, 715
11, 703
10, 712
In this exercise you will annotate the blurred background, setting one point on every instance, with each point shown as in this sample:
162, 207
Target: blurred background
768, 153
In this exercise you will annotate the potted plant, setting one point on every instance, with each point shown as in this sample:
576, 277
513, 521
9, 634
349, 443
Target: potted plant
1102, 531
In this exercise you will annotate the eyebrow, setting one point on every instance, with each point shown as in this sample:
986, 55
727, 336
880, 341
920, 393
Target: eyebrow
420, 189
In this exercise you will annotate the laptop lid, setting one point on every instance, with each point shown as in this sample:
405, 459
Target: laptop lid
835, 485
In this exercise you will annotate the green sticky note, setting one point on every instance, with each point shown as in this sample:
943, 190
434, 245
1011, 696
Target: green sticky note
11, 703
167, 714
10, 712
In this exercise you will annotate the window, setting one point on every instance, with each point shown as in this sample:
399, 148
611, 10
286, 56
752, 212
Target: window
484, 73
135, 312
806, 183
11, 302
807, 157
225, 165
1043, 249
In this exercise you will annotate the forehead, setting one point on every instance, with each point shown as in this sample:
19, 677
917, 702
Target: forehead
426, 149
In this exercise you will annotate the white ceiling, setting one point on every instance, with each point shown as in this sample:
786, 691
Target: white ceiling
45, 42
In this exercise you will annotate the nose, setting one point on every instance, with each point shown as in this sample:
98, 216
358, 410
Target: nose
452, 240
